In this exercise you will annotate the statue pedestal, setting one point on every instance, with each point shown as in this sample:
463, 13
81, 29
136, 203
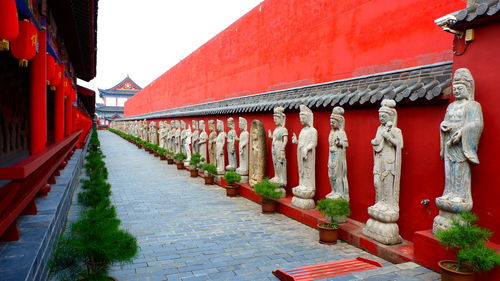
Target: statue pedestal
383, 232
283, 194
443, 220
303, 197
305, 204
448, 210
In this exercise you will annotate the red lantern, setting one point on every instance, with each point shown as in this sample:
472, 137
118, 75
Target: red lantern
51, 70
9, 25
24, 47
58, 75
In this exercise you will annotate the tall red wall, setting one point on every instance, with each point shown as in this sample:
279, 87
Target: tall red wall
286, 43
482, 58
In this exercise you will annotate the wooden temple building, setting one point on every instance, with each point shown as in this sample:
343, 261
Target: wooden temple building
45, 118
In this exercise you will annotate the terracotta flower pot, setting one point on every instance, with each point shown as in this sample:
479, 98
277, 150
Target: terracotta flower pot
209, 180
449, 274
163, 157
180, 166
268, 206
232, 190
327, 235
193, 173
170, 161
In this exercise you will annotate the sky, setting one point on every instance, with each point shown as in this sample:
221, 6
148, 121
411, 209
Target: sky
143, 39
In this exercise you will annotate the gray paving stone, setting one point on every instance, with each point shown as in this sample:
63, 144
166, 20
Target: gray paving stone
190, 231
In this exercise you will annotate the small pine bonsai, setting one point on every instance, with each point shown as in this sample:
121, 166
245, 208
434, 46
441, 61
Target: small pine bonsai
195, 160
180, 157
210, 169
334, 208
267, 189
232, 177
469, 242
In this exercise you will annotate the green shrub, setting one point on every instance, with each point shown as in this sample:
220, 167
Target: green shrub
92, 244
210, 169
332, 208
232, 177
94, 241
267, 189
195, 160
469, 242
180, 157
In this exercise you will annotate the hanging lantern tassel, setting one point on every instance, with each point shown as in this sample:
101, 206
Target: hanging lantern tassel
51, 71
9, 25
24, 47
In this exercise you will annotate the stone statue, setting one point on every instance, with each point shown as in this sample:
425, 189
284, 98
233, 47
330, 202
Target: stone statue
460, 133
231, 149
257, 168
177, 137
195, 136
387, 146
141, 130
280, 139
303, 194
146, 130
337, 165
171, 137
186, 141
161, 132
212, 138
135, 134
166, 131
202, 141
219, 148
153, 133
243, 150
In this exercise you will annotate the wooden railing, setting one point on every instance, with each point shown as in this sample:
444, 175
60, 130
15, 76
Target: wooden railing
30, 177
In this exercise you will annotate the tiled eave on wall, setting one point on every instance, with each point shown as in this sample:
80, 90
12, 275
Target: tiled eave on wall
423, 82
479, 12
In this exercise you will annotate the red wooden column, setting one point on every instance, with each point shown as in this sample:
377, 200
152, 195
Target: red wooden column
38, 97
59, 113
68, 112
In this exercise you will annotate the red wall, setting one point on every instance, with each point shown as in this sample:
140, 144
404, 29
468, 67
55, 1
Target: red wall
483, 60
286, 43
422, 170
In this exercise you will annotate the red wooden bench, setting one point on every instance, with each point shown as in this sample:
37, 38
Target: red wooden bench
325, 270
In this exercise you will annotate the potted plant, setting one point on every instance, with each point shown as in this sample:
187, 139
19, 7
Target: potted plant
156, 150
179, 160
170, 157
195, 160
268, 191
232, 178
210, 172
331, 208
163, 153
469, 242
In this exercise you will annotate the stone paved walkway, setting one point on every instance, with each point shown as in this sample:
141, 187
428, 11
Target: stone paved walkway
189, 231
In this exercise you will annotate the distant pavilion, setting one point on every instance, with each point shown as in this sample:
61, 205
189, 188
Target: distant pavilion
114, 100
